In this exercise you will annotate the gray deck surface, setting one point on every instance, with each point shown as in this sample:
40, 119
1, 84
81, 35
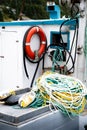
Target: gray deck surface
12, 114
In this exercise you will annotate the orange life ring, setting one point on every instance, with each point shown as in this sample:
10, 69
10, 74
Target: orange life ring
43, 42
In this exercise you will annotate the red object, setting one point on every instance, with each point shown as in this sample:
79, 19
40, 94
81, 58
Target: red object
43, 42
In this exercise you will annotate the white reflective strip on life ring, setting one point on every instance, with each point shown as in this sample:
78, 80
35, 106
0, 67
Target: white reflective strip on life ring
37, 28
27, 44
43, 42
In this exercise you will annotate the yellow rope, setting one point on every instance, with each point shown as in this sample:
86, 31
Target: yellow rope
65, 92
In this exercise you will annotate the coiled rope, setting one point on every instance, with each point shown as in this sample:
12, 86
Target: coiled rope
64, 92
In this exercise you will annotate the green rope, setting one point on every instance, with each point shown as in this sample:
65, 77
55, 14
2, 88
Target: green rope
38, 102
64, 92
57, 56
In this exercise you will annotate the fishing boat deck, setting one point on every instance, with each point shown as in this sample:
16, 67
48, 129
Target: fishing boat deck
42, 118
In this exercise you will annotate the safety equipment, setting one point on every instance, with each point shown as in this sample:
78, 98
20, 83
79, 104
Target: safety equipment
43, 42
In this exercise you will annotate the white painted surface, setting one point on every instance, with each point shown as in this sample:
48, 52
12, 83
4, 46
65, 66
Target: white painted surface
11, 66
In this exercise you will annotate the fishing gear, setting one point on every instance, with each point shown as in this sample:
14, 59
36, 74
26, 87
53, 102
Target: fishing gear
26, 99
5, 94
65, 93
60, 45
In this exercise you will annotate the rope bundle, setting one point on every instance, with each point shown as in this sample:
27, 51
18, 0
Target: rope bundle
63, 92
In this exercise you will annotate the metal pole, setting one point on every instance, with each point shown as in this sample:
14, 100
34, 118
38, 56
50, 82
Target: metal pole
85, 45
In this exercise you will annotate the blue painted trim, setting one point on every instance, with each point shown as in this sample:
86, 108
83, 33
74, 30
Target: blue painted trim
54, 11
38, 22
64, 33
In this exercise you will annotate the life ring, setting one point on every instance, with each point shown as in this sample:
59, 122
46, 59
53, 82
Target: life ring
43, 42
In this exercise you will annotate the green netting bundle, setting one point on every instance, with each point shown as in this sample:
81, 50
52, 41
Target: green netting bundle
65, 93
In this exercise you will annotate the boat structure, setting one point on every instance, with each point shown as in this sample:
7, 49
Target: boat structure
43, 71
